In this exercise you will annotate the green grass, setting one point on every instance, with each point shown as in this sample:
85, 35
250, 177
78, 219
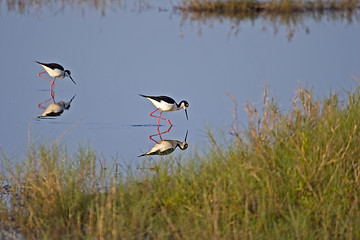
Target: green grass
289, 175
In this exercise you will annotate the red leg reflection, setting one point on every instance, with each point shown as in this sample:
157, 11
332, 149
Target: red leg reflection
52, 98
40, 104
52, 93
159, 134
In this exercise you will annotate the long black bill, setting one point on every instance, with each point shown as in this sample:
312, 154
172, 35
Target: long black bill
72, 79
186, 135
186, 114
72, 98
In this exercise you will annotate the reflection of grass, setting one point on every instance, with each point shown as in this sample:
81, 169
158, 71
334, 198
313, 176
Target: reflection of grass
289, 14
290, 21
292, 175
271, 5
22, 6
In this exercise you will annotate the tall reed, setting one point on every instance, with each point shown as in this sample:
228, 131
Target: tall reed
288, 175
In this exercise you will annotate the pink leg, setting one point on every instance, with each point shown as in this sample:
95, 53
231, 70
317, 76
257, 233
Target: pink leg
53, 84
163, 119
43, 76
153, 112
159, 117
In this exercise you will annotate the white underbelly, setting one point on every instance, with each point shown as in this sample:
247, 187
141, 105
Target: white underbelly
53, 72
163, 105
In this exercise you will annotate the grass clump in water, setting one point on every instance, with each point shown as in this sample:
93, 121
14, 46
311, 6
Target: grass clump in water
292, 175
248, 6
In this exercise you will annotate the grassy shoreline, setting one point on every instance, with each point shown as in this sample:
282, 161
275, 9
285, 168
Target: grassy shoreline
278, 6
288, 175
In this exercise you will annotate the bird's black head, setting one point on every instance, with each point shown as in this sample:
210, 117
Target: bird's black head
184, 104
67, 73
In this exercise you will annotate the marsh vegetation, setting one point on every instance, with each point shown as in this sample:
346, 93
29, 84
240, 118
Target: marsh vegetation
286, 14
269, 6
291, 174
277, 14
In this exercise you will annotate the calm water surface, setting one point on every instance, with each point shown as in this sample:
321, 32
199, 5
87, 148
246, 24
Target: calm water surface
116, 54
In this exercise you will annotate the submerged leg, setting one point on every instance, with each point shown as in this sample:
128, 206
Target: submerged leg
43, 76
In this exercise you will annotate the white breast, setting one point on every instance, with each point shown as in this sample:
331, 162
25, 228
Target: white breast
54, 72
164, 106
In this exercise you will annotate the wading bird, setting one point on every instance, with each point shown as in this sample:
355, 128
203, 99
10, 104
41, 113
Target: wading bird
165, 103
54, 70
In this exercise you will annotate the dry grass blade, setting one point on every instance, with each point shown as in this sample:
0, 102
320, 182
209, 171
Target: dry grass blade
66, 131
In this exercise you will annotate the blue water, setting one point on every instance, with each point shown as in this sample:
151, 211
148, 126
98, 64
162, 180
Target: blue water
121, 52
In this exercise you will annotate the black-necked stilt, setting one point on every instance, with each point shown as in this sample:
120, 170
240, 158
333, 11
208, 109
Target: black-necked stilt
55, 70
165, 147
165, 103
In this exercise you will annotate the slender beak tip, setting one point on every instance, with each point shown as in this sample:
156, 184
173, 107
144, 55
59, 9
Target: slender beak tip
186, 115
72, 80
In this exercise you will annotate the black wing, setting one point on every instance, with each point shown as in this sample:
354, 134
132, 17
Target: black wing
160, 98
52, 65
52, 114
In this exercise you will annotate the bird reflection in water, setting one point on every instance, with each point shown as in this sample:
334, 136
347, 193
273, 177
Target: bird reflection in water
165, 147
55, 109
